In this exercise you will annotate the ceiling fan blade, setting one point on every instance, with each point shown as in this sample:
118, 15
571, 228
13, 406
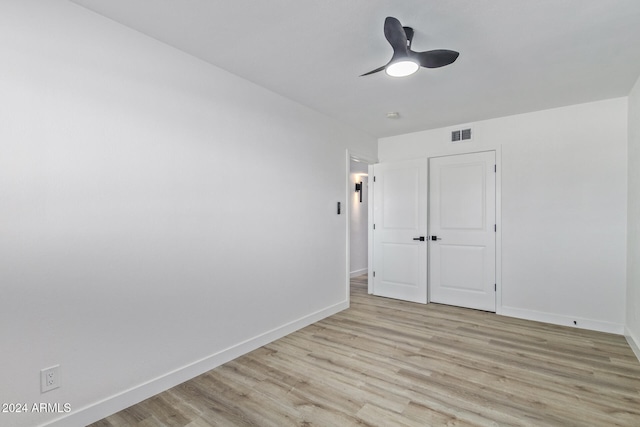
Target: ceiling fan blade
397, 38
374, 71
434, 58
395, 35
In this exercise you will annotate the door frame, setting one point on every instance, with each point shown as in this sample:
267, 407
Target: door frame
352, 155
498, 157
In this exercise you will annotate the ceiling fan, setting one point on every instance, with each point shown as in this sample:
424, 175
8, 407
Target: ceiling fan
404, 60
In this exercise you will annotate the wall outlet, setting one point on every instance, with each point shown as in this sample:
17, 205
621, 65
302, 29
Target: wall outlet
50, 378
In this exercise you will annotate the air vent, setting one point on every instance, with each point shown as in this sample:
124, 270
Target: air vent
461, 135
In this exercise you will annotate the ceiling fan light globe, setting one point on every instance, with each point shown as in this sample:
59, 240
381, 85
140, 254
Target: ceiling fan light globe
402, 68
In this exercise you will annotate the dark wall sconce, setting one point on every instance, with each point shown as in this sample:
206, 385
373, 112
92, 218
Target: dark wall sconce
359, 189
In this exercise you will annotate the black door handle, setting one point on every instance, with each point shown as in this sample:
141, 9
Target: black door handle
435, 238
421, 238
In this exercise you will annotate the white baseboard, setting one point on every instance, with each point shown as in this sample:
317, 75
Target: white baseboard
96, 411
634, 343
360, 272
558, 319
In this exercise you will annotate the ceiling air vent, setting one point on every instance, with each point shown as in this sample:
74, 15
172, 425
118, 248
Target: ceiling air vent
461, 135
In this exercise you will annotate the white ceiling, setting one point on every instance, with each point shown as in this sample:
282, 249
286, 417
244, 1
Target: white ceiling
515, 55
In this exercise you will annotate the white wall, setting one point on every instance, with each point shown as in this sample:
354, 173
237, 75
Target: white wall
358, 219
633, 214
563, 190
158, 215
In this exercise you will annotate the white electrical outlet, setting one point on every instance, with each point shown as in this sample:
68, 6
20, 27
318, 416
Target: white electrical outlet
50, 378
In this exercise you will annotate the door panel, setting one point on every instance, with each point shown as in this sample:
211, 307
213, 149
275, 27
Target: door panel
399, 216
454, 277
462, 217
462, 201
400, 190
401, 264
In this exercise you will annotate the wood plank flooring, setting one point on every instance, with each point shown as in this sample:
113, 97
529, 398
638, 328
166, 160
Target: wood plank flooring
384, 362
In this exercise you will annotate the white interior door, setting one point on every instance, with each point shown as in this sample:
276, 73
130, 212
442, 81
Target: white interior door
462, 217
400, 220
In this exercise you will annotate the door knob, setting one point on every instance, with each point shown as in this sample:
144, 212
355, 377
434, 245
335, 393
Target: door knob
421, 238
436, 238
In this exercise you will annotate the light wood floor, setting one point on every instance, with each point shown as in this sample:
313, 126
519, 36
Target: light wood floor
390, 363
